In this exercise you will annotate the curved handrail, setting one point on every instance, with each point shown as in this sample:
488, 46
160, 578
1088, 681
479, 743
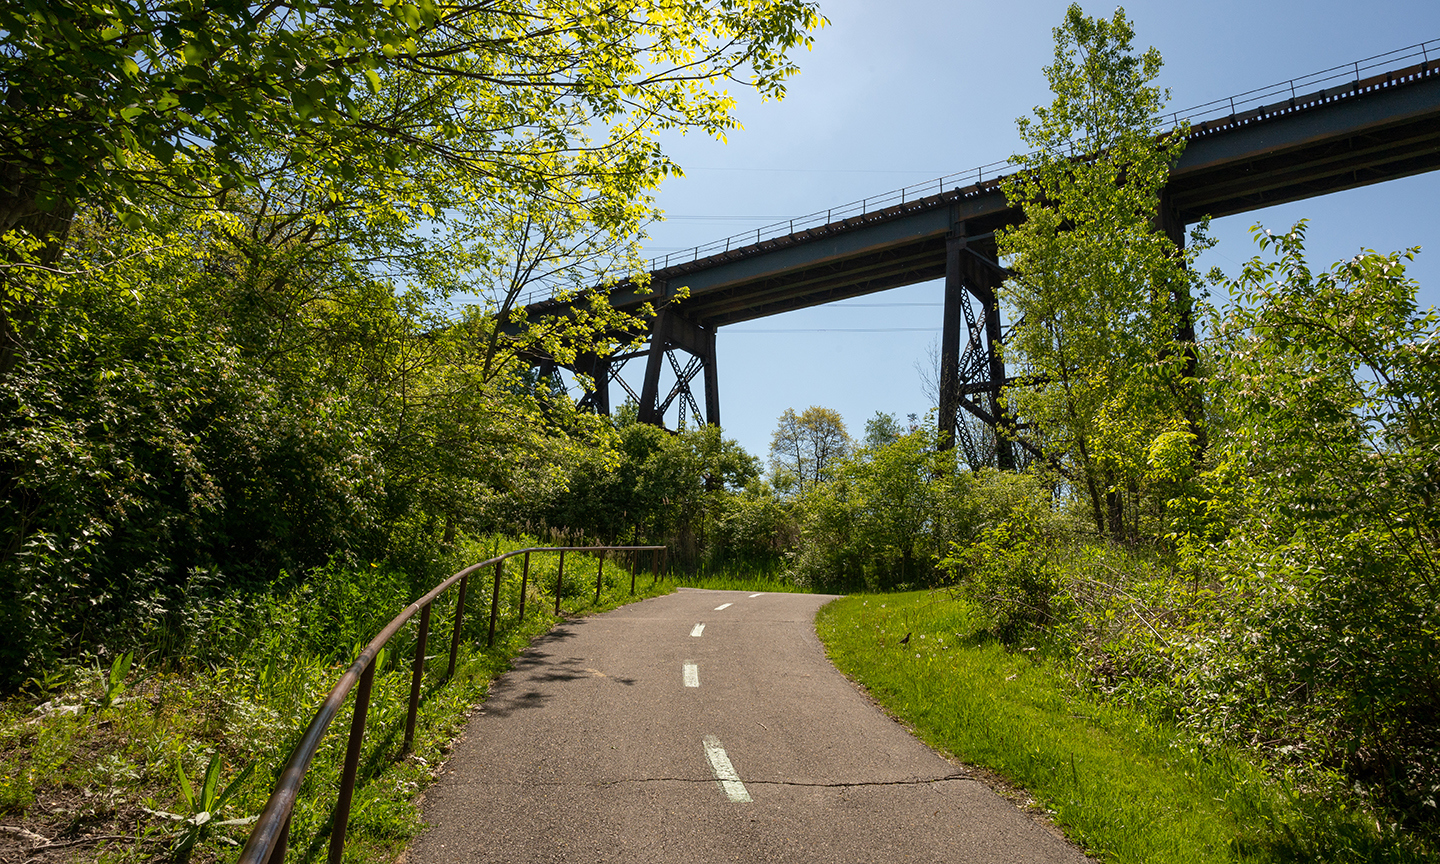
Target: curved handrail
269, 838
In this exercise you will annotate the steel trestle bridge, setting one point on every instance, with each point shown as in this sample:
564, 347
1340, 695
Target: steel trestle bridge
1354, 125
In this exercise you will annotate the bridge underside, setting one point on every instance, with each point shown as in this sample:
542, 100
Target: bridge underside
1369, 131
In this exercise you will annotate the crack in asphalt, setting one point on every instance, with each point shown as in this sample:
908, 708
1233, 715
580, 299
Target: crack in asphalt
862, 782
798, 783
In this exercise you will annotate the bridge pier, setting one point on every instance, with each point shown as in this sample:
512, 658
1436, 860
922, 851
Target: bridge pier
673, 331
598, 368
972, 270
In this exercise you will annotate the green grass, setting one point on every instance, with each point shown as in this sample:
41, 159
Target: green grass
723, 581
1122, 786
101, 770
741, 575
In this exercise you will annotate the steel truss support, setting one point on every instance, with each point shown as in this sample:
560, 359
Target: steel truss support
671, 332
598, 368
972, 380
604, 371
1169, 221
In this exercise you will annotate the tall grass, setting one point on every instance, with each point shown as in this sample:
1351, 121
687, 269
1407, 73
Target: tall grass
737, 573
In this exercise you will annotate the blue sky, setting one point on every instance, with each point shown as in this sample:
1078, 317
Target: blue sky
908, 90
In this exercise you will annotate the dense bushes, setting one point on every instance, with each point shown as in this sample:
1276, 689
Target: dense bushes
218, 423
1330, 389
1292, 605
682, 489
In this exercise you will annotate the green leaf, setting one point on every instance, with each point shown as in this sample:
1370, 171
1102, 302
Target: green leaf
212, 778
187, 794
120, 668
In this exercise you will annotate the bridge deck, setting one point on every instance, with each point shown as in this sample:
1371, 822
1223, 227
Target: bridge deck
1364, 132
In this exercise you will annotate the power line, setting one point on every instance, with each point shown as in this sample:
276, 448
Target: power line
824, 170
840, 330
669, 218
843, 305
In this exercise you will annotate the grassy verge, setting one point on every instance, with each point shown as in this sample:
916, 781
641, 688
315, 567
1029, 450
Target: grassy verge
92, 770
1122, 786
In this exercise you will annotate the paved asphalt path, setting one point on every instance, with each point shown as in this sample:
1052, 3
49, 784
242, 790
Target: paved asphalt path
626, 737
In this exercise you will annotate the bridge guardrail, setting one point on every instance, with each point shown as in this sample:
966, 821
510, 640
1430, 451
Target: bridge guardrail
269, 839
1256, 101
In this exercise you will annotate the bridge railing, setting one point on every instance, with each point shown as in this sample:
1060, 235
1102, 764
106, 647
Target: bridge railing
269, 839
1295, 88
1302, 89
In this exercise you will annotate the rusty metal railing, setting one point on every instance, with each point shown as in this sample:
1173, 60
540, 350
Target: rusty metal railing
269, 838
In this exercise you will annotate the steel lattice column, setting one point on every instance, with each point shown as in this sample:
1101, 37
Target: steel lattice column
671, 332
971, 269
598, 368
950, 343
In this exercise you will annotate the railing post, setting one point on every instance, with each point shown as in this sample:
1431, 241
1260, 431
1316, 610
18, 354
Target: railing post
524, 581
455, 637
559, 580
598, 572
654, 566
494, 604
416, 672
632, 577
282, 844
352, 762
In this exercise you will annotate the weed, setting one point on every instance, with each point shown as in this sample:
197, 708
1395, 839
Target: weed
199, 819
113, 684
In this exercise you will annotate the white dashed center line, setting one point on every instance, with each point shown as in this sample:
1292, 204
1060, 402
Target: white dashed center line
692, 675
753, 596
699, 629
724, 771
723, 606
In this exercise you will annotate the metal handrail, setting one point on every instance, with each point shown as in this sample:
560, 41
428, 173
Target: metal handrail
269, 839
1293, 89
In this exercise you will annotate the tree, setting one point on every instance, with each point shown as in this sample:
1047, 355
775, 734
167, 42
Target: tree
881, 430
102, 101
1098, 295
806, 446
399, 116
